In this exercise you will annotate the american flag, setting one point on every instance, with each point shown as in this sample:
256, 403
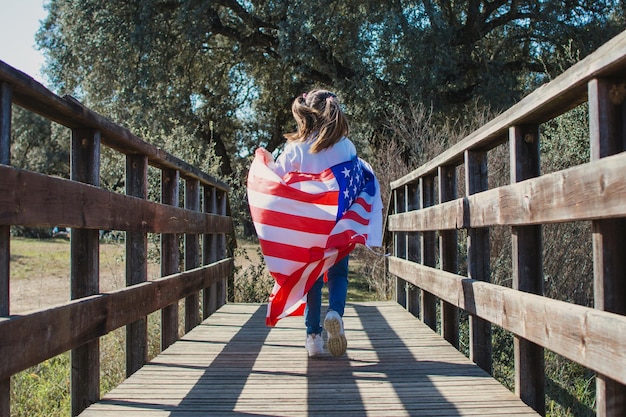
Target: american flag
308, 222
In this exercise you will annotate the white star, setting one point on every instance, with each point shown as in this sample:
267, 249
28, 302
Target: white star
346, 194
346, 172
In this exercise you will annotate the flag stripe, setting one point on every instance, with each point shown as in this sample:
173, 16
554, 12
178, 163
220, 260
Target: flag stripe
292, 253
294, 222
325, 176
291, 237
279, 189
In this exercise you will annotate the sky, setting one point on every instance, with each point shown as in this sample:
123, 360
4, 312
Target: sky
19, 20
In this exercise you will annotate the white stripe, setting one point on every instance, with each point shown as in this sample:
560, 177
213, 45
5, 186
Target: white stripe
345, 224
289, 237
281, 265
295, 296
293, 308
287, 206
316, 186
260, 170
360, 210
297, 293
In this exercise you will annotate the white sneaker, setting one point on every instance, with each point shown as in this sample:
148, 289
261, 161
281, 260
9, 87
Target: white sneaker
314, 344
337, 343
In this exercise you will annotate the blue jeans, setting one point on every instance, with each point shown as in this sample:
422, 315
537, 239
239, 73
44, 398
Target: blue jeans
337, 292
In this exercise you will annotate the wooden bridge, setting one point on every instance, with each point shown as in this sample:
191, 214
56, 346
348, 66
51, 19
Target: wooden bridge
228, 362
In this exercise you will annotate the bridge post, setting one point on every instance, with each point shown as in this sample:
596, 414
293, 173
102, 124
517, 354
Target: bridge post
413, 248
5, 232
527, 268
225, 292
192, 253
84, 271
399, 245
478, 254
448, 242
136, 264
209, 253
428, 245
170, 256
607, 115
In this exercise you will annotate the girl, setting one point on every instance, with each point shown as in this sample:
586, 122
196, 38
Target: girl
310, 208
320, 142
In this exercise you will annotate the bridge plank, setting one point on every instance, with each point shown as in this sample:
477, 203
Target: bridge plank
233, 364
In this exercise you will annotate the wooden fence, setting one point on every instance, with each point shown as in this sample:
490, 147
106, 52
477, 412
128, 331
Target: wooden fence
426, 205
33, 199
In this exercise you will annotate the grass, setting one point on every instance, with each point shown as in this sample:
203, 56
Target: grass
33, 256
30, 256
44, 390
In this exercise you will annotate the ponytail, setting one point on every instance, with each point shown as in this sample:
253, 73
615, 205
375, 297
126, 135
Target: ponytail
319, 119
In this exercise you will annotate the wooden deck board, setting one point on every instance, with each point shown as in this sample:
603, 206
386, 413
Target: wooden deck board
232, 364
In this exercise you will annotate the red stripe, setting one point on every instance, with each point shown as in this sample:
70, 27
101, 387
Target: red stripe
290, 252
344, 238
354, 216
279, 299
363, 203
295, 177
283, 191
291, 221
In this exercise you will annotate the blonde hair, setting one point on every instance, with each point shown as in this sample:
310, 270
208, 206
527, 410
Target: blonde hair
319, 118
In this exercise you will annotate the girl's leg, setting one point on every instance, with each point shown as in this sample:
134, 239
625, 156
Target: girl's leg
313, 307
333, 323
338, 286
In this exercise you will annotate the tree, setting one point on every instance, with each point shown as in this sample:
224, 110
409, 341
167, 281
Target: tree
228, 70
38, 144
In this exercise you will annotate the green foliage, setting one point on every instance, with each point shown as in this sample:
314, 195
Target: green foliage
253, 282
43, 390
570, 388
228, 71
568, 265
565, 140
503, 357
38, 144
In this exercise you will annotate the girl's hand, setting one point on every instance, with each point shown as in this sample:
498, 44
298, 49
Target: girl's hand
269, 158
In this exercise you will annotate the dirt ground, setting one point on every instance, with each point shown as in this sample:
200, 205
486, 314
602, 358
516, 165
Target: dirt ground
40, 276
38, 292
40, 272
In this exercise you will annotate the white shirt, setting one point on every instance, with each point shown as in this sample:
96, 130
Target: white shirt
296, 157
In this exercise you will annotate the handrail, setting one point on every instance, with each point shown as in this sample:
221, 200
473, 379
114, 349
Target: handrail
594, 191
35, 199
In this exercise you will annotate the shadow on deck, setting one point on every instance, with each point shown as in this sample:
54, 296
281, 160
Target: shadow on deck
233, 364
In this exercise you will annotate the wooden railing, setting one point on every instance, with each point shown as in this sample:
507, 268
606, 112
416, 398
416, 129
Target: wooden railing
34, 199
594, 191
